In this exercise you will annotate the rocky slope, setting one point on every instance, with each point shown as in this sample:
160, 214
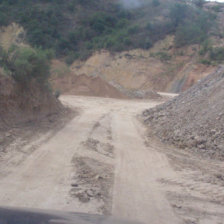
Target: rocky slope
195, 119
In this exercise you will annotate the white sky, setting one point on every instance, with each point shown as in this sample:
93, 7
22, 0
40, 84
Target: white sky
215, 0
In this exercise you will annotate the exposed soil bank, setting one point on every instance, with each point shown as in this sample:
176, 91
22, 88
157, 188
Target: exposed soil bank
22, 104
85, 86
25, 112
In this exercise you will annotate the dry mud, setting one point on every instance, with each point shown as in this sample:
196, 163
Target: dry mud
103, 162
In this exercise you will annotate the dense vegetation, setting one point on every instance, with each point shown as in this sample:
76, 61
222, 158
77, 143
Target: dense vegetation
76, 28
26, 64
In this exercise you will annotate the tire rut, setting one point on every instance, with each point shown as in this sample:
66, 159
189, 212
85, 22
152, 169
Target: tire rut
93, 176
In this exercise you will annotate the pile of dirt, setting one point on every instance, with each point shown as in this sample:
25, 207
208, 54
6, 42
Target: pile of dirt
19, 104
195, 119
86, 86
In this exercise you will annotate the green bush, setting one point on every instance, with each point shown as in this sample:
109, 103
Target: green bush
3, 19
145, 44
149, 26
217, 8
178, 13
26, 64
205, 47
83, 26
189, 33
99, 22
3, 58
199, 3
217, 54
155, 3
133, 29
162, 55
205, 61
71, 57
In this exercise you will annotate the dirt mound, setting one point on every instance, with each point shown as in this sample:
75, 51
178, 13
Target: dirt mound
21, 105
86, 86
195, 119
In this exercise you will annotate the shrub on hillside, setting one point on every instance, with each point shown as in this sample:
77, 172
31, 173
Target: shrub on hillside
82, 26
155, 3
178, 13
189, 33
217, 54
3, 57
217, 8
3, 19
195, 28
199, 3
205, 47
205, 61
162, 55
26, 64
42, 25
99, 22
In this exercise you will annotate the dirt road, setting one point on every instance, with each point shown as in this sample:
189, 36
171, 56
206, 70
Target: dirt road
100, 162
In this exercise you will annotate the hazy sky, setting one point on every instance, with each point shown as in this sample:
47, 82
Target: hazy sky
217, 0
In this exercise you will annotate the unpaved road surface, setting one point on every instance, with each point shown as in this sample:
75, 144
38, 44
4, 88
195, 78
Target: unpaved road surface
101, 162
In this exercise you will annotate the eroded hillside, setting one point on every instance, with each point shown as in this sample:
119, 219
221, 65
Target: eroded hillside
27, 104
77, 29
19, 105
150, 46
162, 68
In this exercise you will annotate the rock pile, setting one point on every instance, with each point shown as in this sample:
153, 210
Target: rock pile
195, 119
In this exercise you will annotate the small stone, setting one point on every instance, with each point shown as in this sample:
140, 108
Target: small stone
83, 197
7, 134
201, 146
98, 177
90, 193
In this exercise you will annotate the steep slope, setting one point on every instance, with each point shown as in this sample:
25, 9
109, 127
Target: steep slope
162, 68
19, 105
141, 45
195, 119
76, 29
25, 96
